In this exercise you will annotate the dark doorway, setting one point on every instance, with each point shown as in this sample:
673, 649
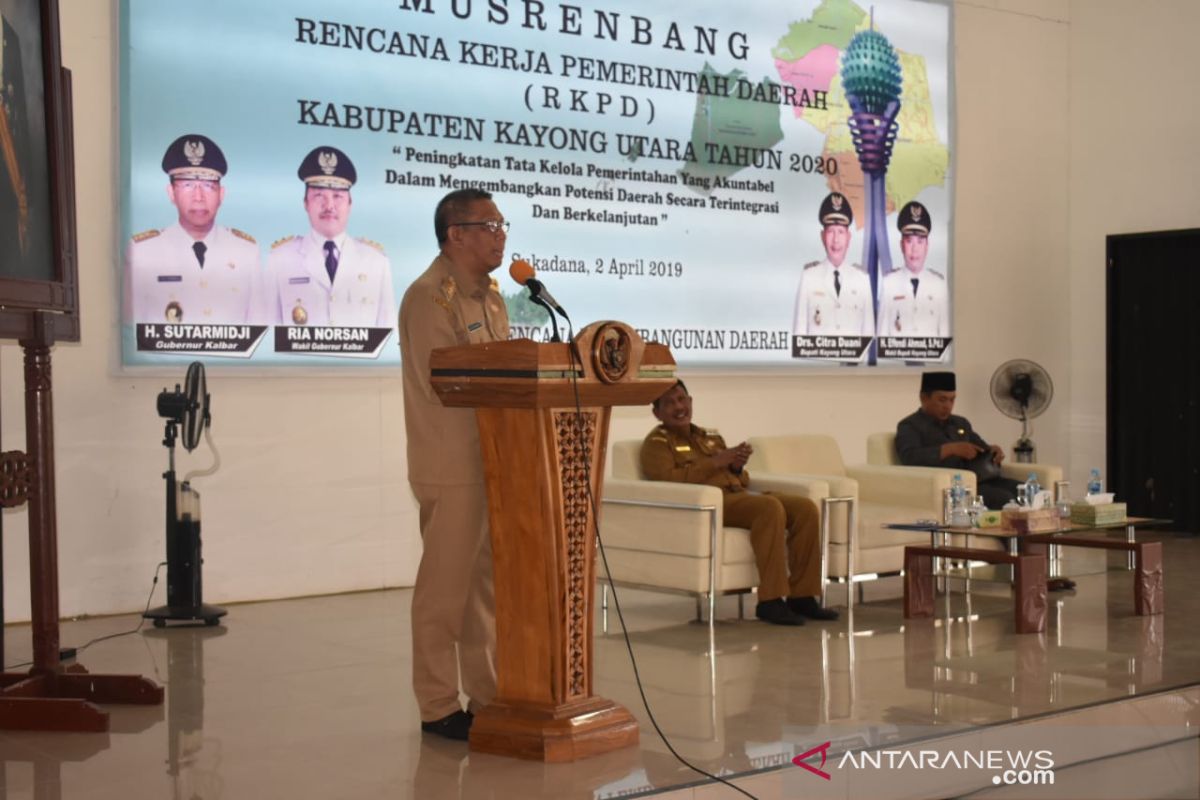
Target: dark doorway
1154, 374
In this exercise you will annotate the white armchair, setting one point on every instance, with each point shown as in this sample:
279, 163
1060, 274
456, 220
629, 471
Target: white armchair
671, 537
859, 548
881, 450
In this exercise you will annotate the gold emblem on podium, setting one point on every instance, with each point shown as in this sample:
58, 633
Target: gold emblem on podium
611, 353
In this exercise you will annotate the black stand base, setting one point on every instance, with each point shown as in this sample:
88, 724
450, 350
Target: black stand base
205, 613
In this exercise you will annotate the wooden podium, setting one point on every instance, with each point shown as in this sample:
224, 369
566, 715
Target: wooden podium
544, 466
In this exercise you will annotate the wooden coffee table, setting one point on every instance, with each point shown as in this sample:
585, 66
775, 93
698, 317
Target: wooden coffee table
1145, 558
1029, 582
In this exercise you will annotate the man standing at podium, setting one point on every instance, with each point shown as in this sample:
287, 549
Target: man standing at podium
454, 302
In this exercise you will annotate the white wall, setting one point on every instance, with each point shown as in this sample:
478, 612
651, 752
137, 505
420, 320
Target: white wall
1135, 167
313, 497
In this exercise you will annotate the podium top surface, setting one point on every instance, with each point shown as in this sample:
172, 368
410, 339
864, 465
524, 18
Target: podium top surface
522, 373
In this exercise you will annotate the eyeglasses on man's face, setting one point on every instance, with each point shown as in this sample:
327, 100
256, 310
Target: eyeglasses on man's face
191, 185
493, 226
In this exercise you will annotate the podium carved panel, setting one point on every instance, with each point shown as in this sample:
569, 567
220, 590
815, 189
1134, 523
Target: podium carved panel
576, 434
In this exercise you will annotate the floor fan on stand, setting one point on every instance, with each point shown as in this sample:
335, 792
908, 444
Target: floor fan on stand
1022, 390
188, 416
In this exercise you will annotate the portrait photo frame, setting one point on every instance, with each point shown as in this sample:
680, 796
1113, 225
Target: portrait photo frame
38, 256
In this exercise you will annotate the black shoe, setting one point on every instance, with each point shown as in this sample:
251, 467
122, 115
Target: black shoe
453, 726
1060, 584
809, 607
776, 612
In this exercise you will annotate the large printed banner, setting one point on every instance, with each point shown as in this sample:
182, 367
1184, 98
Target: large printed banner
731, 179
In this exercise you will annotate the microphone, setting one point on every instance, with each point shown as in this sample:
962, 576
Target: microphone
523, 273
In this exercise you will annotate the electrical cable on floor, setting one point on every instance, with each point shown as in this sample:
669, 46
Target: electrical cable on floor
141, 623
587, 469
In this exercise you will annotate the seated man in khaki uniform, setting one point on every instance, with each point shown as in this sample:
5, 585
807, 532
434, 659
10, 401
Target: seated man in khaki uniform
783, 527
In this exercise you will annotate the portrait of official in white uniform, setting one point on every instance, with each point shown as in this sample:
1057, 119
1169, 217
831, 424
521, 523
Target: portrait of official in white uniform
913, 300
193, 271
327, 277
834, 297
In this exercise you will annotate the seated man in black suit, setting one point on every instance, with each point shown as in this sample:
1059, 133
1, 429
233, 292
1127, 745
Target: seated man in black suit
932, 436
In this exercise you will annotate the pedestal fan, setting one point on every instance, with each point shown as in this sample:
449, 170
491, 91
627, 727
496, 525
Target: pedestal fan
1022, 390
188, 415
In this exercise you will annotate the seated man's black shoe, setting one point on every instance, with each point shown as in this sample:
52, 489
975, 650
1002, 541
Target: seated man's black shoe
809, 607
1060, 584
777, 612
452, 726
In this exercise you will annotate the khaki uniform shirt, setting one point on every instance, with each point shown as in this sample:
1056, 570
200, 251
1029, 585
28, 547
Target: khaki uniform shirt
438, 311
668, 456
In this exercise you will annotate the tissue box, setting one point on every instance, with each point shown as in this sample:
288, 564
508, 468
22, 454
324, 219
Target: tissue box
1041, 500
1026, 520
1104, 514
989, 519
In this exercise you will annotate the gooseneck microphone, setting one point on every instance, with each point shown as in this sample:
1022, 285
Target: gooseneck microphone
523, 273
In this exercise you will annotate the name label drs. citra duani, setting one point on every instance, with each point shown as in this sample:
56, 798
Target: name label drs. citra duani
236, 341
833, 348
330, 340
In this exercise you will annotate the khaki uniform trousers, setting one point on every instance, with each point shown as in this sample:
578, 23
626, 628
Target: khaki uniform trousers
785, 534
454, 602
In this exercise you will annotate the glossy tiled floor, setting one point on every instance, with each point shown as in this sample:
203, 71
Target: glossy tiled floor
310, 698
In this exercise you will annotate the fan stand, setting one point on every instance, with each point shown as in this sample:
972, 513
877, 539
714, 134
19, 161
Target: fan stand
184, 593
1024, 451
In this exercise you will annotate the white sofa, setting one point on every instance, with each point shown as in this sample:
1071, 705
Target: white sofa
671, 537
881, 451
865, 549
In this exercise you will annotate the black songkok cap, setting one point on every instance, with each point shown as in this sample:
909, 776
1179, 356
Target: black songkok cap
937, 382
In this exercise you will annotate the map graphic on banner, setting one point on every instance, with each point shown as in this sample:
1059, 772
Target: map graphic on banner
689, 168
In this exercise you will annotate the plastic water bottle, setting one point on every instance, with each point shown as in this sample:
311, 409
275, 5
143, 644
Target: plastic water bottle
1031, 490
1095, 486
958, 502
